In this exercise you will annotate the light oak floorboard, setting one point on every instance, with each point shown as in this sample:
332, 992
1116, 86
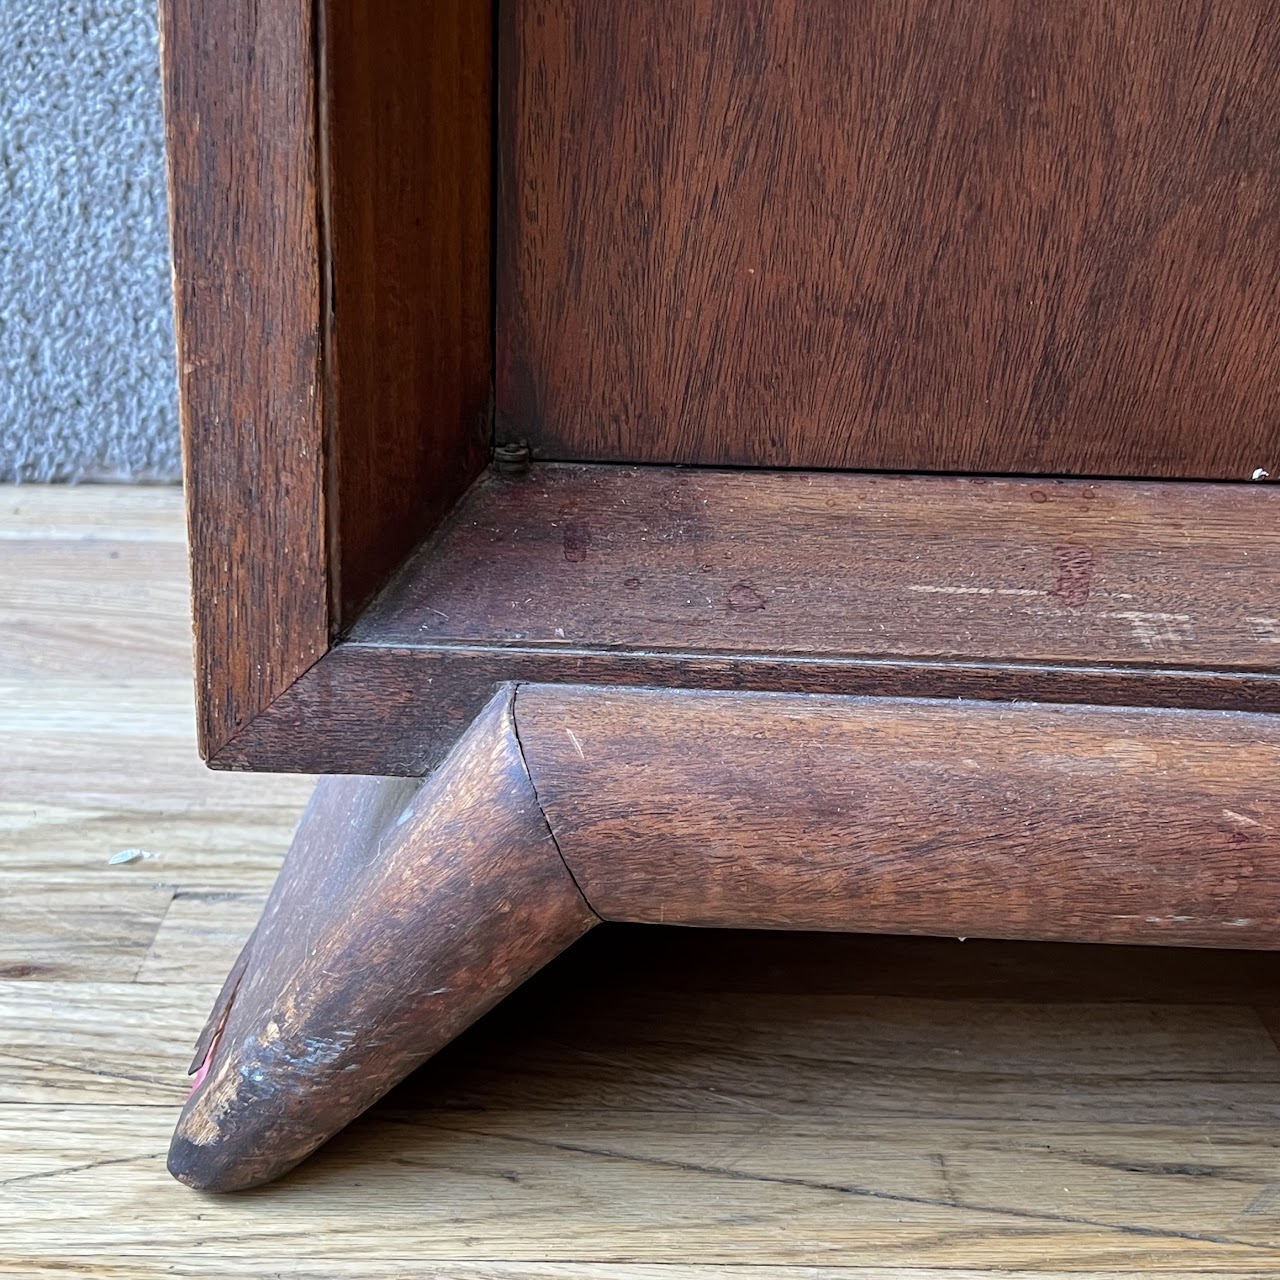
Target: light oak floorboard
201, 934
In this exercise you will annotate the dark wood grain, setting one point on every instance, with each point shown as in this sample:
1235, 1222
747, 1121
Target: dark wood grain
793, 565
240, 110
1146, 594
408, 114
404, 911
900, 816
370, 708
331, 192
916, 236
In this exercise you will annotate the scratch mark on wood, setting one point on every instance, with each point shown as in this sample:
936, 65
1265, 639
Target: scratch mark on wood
1265, 630
1153, 630
975, 591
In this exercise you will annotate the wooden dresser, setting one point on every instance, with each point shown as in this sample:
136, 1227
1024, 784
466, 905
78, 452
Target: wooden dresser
791, 464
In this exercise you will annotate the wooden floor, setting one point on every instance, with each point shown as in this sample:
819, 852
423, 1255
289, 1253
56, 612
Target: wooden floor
657, 1106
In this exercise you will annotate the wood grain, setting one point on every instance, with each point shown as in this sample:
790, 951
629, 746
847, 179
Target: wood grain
1143, 1075
75, 515
365, 1267
408, 116
794, 564
96, 1042
129, 629
1059, 591
244, 201
93, 768
514, 1187
773, 811
919, 236
96, 730
202, 933
871, 1027
404, 911
372, 708
330, 176
60, 930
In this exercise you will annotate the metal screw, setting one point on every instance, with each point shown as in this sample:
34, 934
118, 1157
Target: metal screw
512, 459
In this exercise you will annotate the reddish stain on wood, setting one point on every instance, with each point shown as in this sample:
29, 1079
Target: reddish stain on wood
744, 598
577, 541
1075, 575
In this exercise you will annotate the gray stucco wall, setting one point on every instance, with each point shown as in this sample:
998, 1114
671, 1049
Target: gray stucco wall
87, 385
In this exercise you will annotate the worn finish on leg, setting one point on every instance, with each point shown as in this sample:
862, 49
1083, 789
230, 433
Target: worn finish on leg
899, 815
405, 909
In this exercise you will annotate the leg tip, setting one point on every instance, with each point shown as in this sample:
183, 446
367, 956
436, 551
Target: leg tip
212, 1168
188, 1164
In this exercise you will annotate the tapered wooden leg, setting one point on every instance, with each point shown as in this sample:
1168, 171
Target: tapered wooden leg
405, 909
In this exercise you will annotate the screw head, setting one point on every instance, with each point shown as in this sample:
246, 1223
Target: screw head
513, 458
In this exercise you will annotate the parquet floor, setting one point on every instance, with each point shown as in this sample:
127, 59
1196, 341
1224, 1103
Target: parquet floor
658, 1105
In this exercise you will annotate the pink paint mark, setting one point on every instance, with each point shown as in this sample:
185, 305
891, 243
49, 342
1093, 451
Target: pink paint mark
203, 1069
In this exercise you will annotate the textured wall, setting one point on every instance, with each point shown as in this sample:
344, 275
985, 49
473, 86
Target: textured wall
87, 387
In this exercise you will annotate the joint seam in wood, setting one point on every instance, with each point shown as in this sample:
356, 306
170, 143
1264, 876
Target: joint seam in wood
515, 730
